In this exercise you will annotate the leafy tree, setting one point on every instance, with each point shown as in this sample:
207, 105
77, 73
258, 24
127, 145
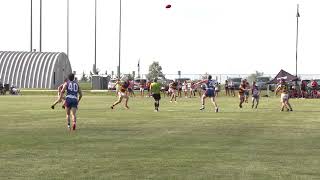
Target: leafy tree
155, 70
253, 76
84, 77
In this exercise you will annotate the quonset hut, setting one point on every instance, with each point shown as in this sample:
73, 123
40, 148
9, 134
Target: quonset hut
34, 69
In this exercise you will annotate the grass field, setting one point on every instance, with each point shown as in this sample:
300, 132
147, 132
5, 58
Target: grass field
179, 142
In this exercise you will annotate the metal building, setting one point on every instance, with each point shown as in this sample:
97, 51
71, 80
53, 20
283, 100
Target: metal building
34, 69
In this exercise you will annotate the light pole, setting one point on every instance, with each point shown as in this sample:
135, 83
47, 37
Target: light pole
31, 11
40, 43
68, 28
298, 15
120, 14
95, 38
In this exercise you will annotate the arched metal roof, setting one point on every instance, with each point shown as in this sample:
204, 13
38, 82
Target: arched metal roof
34, 69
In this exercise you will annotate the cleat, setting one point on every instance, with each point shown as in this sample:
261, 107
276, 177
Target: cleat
240, 105
69, 127
202, 108
63, 107
217, 110
52, 107
74, 127
291, 110
252, 106
170, 101
112, 107
127, 107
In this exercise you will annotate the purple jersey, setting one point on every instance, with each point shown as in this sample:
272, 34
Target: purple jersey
72, 89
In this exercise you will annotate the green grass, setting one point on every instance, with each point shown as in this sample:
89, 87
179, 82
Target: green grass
179, 142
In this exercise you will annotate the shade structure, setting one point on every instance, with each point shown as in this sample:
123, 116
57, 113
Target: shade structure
34, 69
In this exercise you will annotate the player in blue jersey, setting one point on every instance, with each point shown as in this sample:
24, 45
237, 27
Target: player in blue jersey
72, 99
209, 92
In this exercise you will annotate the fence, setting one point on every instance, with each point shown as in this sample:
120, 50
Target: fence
218, 77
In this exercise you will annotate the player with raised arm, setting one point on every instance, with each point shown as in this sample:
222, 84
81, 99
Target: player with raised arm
122, 94
284, 99
209, 92
72, 99
59, 92
155, 88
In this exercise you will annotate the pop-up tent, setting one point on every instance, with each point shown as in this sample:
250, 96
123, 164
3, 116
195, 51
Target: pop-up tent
283, 75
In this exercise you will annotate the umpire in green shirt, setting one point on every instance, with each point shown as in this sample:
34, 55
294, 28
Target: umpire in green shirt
155, 88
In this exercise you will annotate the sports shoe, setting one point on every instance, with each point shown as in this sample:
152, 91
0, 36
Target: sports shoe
63, 107
240, 105
68, 126
202, 108
74, 127
112, 107
217, 110
52, 107
127, 107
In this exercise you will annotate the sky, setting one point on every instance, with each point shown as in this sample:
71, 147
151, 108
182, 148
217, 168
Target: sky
193, 36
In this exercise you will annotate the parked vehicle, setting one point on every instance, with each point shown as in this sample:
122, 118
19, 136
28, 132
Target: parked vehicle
111, 84
137, 83
235, 82
262, 81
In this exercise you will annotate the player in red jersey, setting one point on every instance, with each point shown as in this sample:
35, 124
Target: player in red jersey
122, 94
59, 92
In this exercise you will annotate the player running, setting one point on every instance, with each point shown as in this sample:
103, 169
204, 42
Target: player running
59, 92
122, 94
155, 88
255, 94
209, 92
242, 89
283, 88
72, 99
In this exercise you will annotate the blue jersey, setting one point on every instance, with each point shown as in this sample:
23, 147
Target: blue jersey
210, 84
72, 89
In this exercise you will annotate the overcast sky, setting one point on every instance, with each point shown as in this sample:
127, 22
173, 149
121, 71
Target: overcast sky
194, 36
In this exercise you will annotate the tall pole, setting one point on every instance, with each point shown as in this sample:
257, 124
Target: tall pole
120, 18
40, 43
298, 15
68, 28
95, 37
31, 11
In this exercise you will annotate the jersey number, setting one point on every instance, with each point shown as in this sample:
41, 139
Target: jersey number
73, 87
